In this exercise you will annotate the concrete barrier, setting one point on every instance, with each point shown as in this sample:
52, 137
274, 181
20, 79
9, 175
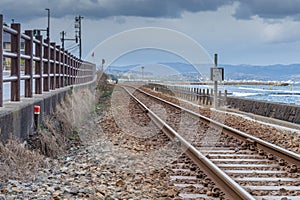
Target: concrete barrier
16, 118
286, 112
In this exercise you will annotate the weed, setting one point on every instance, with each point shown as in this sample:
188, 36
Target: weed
18, 161
21, 160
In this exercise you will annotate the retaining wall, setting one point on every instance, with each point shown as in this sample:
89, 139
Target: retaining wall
286, 112
16, 118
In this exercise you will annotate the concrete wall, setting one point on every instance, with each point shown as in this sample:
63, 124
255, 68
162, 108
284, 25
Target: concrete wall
286, 112
16, 118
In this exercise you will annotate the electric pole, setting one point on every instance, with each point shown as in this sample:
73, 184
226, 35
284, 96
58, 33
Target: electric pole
48, 28
78, 25
63, 33
77, 38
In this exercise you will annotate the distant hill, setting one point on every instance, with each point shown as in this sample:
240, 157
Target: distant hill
263, 73
276, 72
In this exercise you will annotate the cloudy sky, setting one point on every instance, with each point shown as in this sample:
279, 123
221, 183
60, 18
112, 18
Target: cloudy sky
241, 31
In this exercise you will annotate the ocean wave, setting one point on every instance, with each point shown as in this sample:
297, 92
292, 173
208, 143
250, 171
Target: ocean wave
245, 94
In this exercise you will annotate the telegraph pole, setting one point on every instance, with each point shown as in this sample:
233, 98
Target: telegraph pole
48, 28
77, 38
63, 33
78, 22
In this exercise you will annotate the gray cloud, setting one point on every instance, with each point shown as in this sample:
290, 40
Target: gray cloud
97, 9
268, 9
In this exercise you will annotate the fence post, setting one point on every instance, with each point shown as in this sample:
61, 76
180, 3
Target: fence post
225, 98
38, 65
78, 73
204, 97
193, 93
207, 96
58, 65
219, 99
69, 68
52, 66
47, 65
1, 60
211, 96
29, 63
63, 58
16, 62
200, 95
66, 68
76, 70
73, 70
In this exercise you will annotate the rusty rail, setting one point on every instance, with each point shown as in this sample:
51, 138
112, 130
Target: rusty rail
45, 62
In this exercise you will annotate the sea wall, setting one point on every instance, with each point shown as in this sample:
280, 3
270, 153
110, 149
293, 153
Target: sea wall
286, 112
17, 118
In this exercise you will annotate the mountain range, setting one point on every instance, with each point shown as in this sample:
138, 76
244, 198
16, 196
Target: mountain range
277, 72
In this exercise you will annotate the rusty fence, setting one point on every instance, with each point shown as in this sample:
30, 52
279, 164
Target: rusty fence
41, 64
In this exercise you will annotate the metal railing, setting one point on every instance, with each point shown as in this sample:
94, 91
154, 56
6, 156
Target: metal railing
47, 66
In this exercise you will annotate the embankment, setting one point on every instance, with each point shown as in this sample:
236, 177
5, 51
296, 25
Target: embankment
17, 118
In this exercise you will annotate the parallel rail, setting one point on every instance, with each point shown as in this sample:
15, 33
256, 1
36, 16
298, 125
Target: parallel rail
230, 186
287, 155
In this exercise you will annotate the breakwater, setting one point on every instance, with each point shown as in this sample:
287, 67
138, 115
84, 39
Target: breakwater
286, 112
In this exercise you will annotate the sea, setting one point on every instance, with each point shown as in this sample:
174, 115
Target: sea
289, 94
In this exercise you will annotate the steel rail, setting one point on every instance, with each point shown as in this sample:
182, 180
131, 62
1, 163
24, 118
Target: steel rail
287, 155
232, 189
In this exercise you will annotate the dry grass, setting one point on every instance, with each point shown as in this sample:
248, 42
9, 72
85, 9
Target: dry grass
59, 129
74, 110
48, 141
18, 161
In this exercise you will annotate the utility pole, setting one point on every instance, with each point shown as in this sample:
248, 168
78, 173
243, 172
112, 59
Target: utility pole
78, 25
48, 28
37, 32
77, 35
62, 39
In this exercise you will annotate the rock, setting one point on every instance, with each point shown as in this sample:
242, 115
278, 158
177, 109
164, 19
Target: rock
84, 191
80, 173
119, 183
57, 187
72, 190
171, 193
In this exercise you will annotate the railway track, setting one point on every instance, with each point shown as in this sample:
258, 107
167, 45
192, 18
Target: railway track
242, 166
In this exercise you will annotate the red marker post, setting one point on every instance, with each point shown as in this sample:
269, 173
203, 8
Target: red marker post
37, 110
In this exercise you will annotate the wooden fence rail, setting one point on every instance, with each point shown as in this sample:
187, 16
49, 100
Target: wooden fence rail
45, 62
